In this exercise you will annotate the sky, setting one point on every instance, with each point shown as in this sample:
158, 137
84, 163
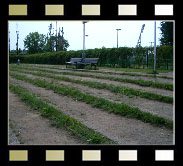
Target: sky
100, 33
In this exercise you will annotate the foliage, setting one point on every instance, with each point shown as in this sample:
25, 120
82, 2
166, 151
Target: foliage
166, 33
35, 43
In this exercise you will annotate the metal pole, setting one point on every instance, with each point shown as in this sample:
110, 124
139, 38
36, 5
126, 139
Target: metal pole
117, 38
155, 47
83, 56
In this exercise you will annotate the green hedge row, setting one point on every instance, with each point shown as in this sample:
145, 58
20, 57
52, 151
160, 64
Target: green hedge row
122, 57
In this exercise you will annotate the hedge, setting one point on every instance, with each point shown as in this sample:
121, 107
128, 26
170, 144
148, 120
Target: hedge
114, 57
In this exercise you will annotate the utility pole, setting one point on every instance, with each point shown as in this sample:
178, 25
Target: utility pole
117, 36
154, 47
17, 32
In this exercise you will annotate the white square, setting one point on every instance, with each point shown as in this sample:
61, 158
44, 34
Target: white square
164, 155
164, 10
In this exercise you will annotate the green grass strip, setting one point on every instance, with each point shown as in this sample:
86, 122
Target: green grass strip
122, 109
138, 82
59, 119
113, 88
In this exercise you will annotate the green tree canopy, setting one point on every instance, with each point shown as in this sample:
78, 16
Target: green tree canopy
166, 33
35, 42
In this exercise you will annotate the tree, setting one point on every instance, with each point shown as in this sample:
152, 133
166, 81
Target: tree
166, 33
35, 43
55, 42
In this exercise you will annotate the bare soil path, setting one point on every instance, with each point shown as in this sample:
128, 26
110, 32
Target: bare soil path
34, 129
120, 129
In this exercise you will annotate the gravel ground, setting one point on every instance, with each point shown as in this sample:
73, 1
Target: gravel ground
13, 140
123, 130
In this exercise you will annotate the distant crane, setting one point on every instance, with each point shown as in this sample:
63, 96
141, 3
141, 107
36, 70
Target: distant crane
139, 40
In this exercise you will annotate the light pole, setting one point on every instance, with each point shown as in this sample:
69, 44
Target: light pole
117, 36
17, 32
154, 47
83, 55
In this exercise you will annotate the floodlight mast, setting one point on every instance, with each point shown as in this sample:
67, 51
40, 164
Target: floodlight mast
139, 40
83, 55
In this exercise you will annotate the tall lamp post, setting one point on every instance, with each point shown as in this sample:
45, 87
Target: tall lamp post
17, 32
83, 55
117, 36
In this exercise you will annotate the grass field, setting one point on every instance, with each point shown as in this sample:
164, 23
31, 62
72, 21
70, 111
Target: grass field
103, 106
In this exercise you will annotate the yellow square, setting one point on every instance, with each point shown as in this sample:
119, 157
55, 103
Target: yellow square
54, 10
18, 155
55, 155
17, 10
